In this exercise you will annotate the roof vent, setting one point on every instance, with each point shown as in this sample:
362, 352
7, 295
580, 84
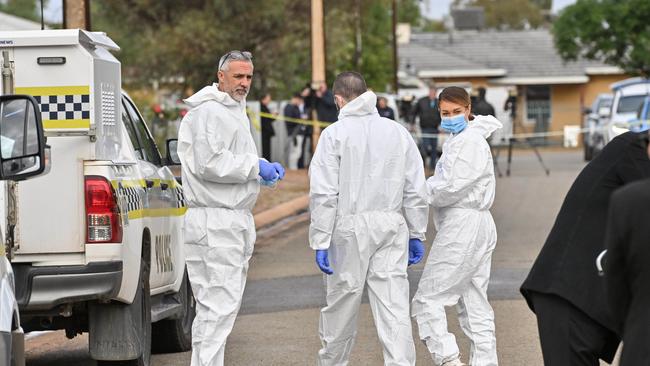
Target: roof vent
468, 18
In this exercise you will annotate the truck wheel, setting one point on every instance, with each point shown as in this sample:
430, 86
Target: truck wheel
143, 301
175, 335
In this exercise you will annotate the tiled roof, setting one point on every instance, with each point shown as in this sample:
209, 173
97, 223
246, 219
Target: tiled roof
523, 54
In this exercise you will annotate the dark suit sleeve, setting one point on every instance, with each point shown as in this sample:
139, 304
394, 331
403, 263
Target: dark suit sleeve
636, 164
616, 284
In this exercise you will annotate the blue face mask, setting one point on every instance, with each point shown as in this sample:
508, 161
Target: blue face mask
455, 124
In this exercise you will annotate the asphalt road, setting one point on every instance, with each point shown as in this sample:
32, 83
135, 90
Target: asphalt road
278, 322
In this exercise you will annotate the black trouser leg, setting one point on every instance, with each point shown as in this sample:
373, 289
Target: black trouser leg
568, 336
266, 146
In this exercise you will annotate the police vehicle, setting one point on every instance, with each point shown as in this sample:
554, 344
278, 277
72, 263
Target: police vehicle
97, 243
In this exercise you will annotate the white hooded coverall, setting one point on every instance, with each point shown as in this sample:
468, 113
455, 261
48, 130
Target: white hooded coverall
368, 197
458, 267
220, 168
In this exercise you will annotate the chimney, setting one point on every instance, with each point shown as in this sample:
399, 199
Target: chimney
468, 18
403, 33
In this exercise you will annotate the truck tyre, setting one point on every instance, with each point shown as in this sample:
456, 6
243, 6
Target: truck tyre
175, 335
143, 302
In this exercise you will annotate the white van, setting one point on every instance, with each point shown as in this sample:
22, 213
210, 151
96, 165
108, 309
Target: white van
97, 244
629, 96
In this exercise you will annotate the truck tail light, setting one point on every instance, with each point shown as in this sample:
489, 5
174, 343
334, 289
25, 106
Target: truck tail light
103, 223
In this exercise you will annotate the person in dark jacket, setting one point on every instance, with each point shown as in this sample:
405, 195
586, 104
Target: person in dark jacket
322, 100
481, 107
295, 109
563, 287
325, 106
267, 127
627, 269
384, 110
426, 109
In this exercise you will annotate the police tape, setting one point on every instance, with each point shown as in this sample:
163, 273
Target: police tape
300, 121
518, 136
617, 129
522, 136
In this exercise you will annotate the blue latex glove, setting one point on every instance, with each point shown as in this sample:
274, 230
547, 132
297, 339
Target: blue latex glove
279, 169
323, 262
268, 170
416, 251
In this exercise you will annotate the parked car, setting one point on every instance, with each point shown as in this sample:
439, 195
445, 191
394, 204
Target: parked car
594, 119
22, 156
629, 98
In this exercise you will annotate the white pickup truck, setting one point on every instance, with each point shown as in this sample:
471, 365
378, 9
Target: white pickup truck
97, 244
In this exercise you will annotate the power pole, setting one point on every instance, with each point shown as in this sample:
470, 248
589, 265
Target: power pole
76, 14
358, 45
317, 56
395, 65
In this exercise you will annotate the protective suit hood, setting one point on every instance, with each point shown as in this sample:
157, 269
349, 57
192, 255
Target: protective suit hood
484, 125
362, 105
212, 92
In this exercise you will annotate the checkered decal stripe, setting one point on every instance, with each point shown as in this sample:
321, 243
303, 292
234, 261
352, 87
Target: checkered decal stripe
64, 107
131, 197
180, 197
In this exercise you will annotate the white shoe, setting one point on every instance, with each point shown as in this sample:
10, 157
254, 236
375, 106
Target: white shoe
455, 362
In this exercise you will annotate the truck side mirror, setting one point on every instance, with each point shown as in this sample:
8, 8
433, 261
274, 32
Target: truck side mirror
22, 142
172, 153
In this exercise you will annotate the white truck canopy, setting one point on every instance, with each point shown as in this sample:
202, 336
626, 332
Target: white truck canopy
76, 80
57, 37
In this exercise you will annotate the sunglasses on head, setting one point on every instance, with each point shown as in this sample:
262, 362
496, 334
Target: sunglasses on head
247, 55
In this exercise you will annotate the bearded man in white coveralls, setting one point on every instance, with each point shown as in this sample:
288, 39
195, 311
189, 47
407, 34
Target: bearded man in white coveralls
220, 180
368, 198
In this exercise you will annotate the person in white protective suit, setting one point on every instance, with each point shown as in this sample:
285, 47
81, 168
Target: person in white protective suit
220, 168
368, 198
457, 270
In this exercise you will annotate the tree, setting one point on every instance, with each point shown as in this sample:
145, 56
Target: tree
509, 14
168, 38
376, 45
408, 11
616, 32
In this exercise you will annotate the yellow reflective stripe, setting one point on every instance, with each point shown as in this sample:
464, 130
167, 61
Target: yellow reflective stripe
141, 183
53, 90
55, 124
156, 212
